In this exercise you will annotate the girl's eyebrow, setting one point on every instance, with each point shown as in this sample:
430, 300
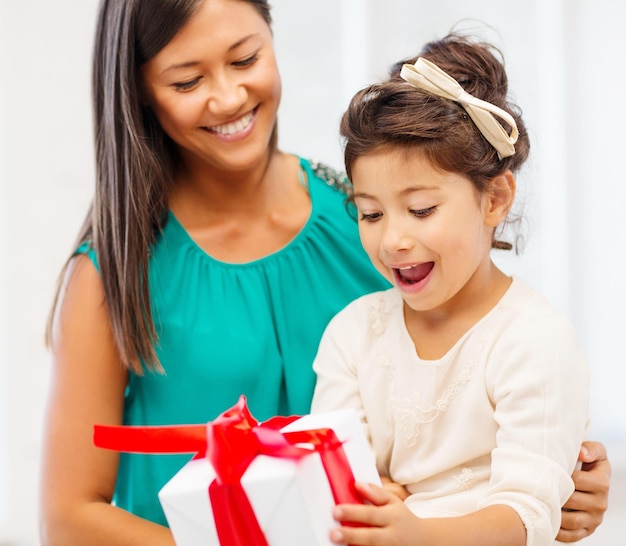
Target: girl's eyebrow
421, 187
189, 64
403, 193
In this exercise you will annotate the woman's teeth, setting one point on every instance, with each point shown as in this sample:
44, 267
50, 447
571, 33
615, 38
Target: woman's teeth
235, 126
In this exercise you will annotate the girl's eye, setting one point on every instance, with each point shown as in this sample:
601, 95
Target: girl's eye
186, 86
248, 61
371, 217
422, 213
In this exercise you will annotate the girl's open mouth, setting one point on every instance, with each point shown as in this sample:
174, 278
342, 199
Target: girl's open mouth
413, 274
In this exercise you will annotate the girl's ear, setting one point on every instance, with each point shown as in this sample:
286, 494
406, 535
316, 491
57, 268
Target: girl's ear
499, 198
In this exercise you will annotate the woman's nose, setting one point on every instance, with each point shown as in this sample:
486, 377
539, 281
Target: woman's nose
227, 96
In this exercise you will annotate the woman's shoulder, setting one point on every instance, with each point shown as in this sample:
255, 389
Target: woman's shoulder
330, 176
87, 249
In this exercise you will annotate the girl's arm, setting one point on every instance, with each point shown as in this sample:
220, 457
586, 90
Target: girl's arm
87, 387
387, 521
584, 510
395, 525
540, 394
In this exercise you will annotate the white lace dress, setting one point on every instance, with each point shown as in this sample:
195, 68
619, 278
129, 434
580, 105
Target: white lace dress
498, 420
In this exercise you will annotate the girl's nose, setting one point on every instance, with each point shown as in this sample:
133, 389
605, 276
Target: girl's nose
396, 237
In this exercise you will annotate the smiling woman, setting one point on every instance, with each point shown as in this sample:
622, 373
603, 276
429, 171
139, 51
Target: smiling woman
217, 98
196, 242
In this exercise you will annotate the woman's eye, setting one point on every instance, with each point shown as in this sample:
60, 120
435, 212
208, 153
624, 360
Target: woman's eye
247, 61
186, 86
422, 213
370, 217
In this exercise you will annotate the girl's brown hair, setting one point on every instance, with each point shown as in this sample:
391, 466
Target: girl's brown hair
397, 114
135, 163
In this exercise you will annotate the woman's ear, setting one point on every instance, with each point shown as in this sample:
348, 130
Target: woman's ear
499, 198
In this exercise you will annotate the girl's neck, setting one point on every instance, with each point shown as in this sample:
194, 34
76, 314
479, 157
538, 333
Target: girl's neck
436, 331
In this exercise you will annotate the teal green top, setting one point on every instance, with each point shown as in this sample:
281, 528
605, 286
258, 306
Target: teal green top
230, 329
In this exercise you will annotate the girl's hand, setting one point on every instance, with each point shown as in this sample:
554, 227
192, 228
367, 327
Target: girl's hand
395, 488
585, 509
385, 522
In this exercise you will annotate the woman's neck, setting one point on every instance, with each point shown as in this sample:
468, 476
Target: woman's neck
243, 216
206, 188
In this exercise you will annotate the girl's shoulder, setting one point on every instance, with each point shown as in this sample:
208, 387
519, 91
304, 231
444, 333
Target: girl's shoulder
525, 299
524, 309
370, 313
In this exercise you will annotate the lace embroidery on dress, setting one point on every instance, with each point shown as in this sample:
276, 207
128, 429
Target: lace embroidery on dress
378, 318
465, 478
411, 411
379, 315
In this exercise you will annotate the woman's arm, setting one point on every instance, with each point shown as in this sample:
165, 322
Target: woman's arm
585, 509
87, 387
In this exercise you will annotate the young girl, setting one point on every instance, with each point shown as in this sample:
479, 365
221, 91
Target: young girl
472, 389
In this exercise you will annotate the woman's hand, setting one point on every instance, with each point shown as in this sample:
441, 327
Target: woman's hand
585, 509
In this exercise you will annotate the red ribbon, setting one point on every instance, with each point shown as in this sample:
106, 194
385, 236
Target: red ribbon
230, 443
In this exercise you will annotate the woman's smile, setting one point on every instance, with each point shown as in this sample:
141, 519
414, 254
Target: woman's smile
226, 88
237, 129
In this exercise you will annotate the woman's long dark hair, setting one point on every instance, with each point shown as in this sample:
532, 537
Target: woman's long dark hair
135, 162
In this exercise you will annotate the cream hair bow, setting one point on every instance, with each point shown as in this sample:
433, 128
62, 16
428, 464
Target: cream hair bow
428, 76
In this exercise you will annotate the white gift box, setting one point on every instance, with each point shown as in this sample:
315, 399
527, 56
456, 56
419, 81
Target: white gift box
292, 500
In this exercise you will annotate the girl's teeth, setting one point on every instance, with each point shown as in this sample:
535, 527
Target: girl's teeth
415, 273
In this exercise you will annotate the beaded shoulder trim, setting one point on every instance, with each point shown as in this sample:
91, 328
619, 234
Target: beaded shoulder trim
333, 178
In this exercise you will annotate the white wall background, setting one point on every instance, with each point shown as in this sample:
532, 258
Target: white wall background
564, 59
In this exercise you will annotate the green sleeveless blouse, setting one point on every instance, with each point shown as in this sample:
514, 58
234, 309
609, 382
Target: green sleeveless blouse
230, 329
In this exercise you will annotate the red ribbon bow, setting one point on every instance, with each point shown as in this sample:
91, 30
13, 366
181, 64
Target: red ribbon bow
230, 443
